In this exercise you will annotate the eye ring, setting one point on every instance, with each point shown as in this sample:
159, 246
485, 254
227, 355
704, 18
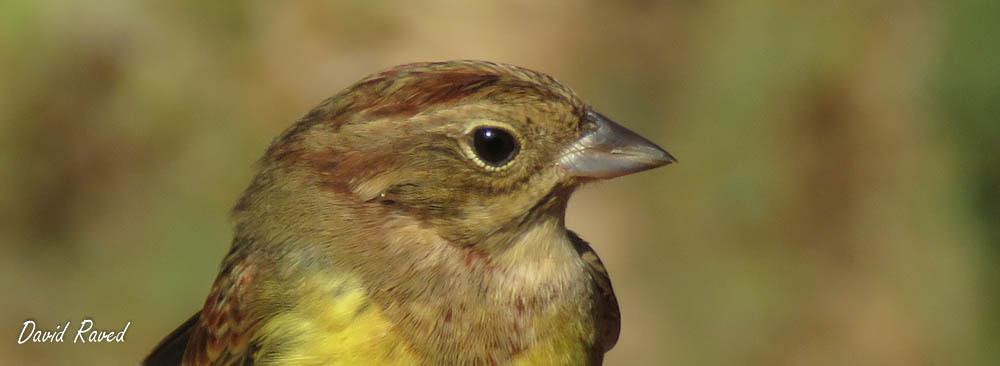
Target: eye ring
493, 147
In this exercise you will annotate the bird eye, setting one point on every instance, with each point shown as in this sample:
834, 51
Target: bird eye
495, 146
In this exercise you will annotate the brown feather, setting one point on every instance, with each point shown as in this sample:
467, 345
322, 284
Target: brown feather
468, 265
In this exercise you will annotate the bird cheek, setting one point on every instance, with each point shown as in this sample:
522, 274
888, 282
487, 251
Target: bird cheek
373, 188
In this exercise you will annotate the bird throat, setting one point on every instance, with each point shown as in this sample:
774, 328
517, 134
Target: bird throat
489, 307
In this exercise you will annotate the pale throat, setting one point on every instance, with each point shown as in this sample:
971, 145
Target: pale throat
541, 258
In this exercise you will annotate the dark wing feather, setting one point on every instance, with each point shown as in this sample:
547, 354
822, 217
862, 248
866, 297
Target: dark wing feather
170, 351
222, 332
606, 304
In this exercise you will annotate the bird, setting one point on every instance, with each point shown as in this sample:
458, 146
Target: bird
418, 218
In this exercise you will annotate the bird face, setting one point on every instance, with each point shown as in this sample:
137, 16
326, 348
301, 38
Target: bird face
468, 148
418, 216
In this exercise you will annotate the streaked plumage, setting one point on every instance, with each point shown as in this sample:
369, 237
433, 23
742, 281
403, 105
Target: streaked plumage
417, 217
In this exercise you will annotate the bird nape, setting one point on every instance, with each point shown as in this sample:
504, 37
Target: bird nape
418, 218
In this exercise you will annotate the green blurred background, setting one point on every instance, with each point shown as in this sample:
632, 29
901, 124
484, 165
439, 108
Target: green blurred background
836, 202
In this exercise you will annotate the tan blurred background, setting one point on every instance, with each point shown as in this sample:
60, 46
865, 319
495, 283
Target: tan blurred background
836, 202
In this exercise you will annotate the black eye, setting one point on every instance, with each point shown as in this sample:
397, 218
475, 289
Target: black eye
494, 146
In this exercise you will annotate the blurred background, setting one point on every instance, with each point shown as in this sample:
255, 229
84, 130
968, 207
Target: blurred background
837, 200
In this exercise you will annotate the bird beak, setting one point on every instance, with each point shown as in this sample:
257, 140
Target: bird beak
611, 150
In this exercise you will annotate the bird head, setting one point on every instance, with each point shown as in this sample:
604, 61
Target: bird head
466, 148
